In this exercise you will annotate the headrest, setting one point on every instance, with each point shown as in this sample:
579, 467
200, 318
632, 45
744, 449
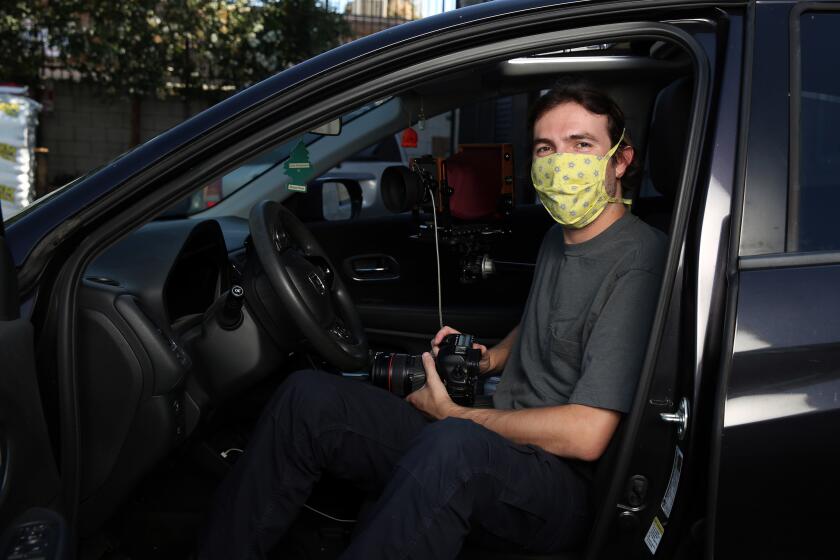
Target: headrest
668, 136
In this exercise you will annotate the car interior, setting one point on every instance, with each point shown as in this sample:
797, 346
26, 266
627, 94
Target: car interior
184, 330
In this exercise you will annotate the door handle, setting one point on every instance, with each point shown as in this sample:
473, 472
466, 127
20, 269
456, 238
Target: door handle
372, 268
680, 418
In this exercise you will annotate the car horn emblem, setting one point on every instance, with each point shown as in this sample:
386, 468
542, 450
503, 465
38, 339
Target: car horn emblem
317, 283
280, 239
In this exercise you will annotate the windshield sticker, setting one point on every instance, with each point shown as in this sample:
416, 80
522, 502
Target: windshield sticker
654, 535
298, 168
673, 483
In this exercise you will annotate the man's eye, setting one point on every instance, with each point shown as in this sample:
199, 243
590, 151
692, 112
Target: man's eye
583, 145
543, 150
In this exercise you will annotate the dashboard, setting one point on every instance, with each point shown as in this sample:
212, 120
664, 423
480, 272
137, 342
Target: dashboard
176, 268
152, 358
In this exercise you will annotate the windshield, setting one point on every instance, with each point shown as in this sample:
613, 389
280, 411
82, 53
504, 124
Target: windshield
250, 172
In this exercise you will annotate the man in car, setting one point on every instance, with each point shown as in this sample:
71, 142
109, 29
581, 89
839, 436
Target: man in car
520, 471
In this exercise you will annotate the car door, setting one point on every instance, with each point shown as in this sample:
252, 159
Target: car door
658, 463
28, 471
776, 455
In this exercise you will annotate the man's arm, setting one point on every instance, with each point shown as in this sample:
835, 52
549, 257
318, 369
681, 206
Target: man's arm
498, 355
572, 430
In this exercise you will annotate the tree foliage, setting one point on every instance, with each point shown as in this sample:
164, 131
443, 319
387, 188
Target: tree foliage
25, 39
160, 47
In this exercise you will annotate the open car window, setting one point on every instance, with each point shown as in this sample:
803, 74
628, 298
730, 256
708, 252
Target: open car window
484, 104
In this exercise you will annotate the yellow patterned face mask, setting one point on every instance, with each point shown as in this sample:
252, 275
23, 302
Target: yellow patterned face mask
572, 186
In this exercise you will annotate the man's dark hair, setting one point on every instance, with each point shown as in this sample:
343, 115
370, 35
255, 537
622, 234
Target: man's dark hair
595, 101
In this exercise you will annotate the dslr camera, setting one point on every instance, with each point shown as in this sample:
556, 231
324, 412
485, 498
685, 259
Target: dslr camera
457, 364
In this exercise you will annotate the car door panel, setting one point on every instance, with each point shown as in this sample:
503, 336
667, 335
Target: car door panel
781, 408
28, 472
373, 267
37, 534
391, 273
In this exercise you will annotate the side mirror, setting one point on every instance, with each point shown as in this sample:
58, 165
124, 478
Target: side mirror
336, 202
329, 198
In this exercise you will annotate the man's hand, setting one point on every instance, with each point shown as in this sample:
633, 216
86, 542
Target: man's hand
485, 365
432, 398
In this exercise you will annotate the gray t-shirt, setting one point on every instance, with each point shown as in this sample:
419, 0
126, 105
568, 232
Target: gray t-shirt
586, 324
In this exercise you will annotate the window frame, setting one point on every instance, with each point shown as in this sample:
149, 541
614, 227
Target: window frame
164, 182
795, 131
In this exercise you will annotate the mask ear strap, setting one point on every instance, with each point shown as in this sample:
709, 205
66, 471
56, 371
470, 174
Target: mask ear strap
617, 144
625, 201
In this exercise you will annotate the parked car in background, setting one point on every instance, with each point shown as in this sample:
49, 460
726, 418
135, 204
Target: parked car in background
139, 339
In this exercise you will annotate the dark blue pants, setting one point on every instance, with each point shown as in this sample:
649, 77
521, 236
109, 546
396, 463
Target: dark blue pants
435, 480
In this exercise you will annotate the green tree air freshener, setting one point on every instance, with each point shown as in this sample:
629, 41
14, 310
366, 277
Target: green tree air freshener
298, 168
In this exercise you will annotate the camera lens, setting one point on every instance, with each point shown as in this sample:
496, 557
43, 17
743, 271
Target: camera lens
400, 374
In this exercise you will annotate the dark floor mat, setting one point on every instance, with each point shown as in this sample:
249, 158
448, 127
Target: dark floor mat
161, 519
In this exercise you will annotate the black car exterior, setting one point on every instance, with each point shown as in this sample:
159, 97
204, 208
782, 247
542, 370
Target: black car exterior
747, 335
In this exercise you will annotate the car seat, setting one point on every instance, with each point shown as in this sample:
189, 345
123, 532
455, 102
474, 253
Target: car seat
665, 154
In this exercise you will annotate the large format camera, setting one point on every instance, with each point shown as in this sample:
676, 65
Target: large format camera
457, 364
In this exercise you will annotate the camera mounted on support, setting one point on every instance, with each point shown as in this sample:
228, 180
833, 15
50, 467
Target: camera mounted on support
472, 193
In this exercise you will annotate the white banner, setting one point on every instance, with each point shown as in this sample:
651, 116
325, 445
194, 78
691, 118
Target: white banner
18, 122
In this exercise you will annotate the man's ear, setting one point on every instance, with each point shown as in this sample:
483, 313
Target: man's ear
623, 159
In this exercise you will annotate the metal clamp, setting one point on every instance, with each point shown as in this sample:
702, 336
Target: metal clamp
680, 418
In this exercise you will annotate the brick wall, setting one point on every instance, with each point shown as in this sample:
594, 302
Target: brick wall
83, 131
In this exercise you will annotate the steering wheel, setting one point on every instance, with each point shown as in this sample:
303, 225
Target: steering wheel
302, 276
